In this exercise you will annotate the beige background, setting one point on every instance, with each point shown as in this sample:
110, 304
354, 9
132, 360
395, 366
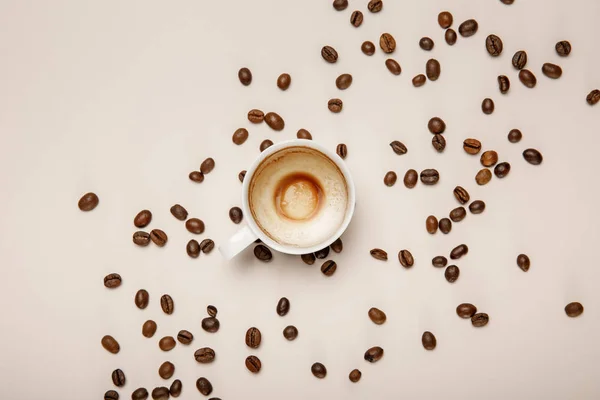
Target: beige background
125, 98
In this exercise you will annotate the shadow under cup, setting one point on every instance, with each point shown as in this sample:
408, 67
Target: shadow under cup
298, 197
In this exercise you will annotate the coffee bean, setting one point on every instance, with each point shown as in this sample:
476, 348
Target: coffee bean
503, 84
193, 248
342, 82
194, 225
253, 338
477, 207
438, 142
431, 224
112, 281
514, 136
210, 324
207, 245
458, 214
406, 258
240, 136
532, 156
487, 106
375, 6
159, 237
263, 253
236, 215
507, 2
368, 48
355, 375
176, 388
185, 337
426, 43
479, 320
290, 332
489, 158
428, 340
450, 37
253, 364
398, 147
118, 377
139, 394
563, 48
245, 76
88, 202
430, 176
519, 60
111, 395
356, 19
593, 97
472, 146
342, 150
328, 268
390, 178
523, 262
335, 105
466, 310
142, 219
166, 370
110, 344
387, 43
337, 246
149, 328
196, 176
256, 116
377, 316
323, 253
167, 343
179, 212
493, 45
303, 134
461, 194
207, 166
419, 80
393, 66
265, 144
502, 169
160, 393
211, 310
379, 254
451, 274
329, 54
204, 386
318, 369
433, 69
459, 251
167, 304
242, 175
439, 261
551, 70
574, 309
436, 125
308, 258
445, 225
284, 81
468, 28
283, 306
527, 78
340, 4
411, 177
142, 298
483, 176
445, 19
374, 354
205, 355
274, 121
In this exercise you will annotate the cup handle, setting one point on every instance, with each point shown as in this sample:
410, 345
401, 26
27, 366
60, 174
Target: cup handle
238, 242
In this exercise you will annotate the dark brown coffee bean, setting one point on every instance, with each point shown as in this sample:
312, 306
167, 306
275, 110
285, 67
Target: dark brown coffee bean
253, 338
160, 393
487, 106
88, 202
210, 324
466, 310
207, 166
377, 316
477, 207
194, 225
458, 214
176, 388
502, 169
354, 375
265, 144
436, 125
431, 224
563, 48
139, 394
245, 76
256, 116
387, 43
328, 268
240, 136
375, 6
263, 253
379, 254
439, 261
242, 175
430, 176
204, 386
335, 105
342, 150
451, 274
207, 245
483, 176
149, 328
519, 60
112, 281
356, 19
211, 311
461, 195
323, 253
283, 306
503, 84
303, 134
337, 246
445, 19
340, 5
167, 304
205, 355
111, 395
411, 177
472, 146
428, 340
489, 158
118, 377
110, 344
236, 215
419, 80
479, 320
274, 121
438, 142
459, 251
527, 78
507, 2
450, 37
374, 354
533, 157
393, 66
329, 54
593, 97
574, 309
514, 136
167, 343
142, 219
253, 364
368, 48
179, 212
196, 176
284, 81
318, 369
185, 337
159, 237
193, 248
390, 178
308, 258
142, 298
426, 43
445, 225
523, 262
552, 71
468, 28
406, 258
493, 45
433, 69
342, 82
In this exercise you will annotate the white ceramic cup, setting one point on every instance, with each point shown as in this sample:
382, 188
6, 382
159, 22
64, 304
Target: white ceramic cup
249, 233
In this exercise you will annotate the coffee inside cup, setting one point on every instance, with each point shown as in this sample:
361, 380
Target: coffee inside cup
298, 196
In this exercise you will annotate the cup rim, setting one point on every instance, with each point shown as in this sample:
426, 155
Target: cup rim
293, 249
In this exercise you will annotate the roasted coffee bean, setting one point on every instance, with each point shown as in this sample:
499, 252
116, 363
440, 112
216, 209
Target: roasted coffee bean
88, 202
265, 144
179, 212
205, 355
514, 136
236, 215
274, 121
472, 146
210, 324
340, 5
142, 219
574, 309
160, 393
323, 253
503, 84
149, 328
253, 364
211, 310
563, 48
450, 37
477, 207
406, 258
375, 6
426, 43
207, 245
356, 19
167, 343
283, 306
523, 262
290, 332
245, 76
354, 375
337, 246
461, 194
239, 136
419, 80
377, 316
439, 261
328, 268
458, 214
436, 125
284, 81
433, 69
204, 386
493, 45
329, 54
308, 258
445, 225
303, 134
342, 82
368, 48
483, 176
253, 338
342, 150
507, 2
193, 248
185, 337
411, 177
393, 66
487, 106
445, 19
242, 175
139, 394
527, 78
451, 274
466, 310
118, 377
379, 254
374, 354
318, 369
159, 237
166, 370
112, 281
263, 253
142, 298
532, 156
111, 395
593, 97
335, 105
428, 340
479, 320
256, 116
167, 304
502, 169
430, 176
387, 43
176, 388
459, 251
489, 158
390, 178
207, 166
519, 60
552, 71
194, 225
468, 28
431, 224
438, 142
110, 344
398, 147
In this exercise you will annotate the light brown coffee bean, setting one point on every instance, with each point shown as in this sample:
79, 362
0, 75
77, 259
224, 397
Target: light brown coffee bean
179, 212
256, 116
110, 344
419, 80
194, 225
411, 177
466, 310
329, 267
431, 224
406, 258
265, 144
185, 337
112, 281
335, 105
368, 48
166, 370
167, 343
149, 328
483, 176
374, 354
253, 364
142, 298
458, 214
354, 375
284, 81
207, 166
393, 66
329, 54
450, 36
167, 304
375, 6
377, 316
343, 81
274, 121
461, 194
390, 178
527, 78
88, 201
253, 338
379, 254
142, 219
337, 246
445, 19
436, 125
239, 136
472, 146
356, 18
159, 237
387, 43
303, 134
489, 158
